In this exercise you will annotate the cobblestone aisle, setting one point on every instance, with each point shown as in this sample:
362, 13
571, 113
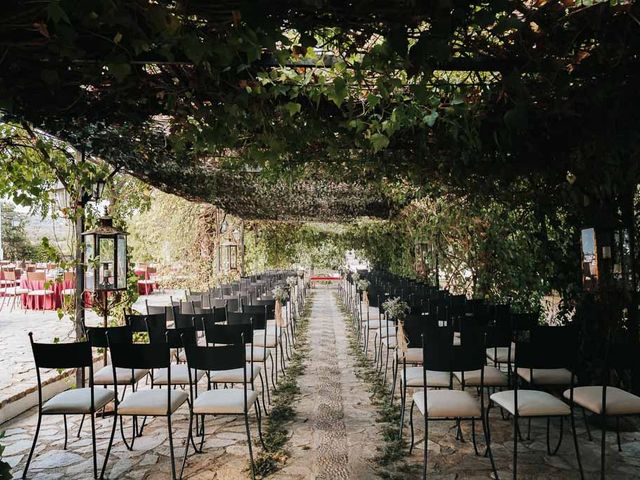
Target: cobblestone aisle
335, 435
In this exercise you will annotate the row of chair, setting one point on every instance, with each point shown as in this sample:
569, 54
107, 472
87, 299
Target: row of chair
226, 350
459, 350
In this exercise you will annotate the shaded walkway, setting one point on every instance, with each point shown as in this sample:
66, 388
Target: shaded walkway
335, 434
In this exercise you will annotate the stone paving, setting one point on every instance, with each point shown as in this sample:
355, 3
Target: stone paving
17, 372
334, 435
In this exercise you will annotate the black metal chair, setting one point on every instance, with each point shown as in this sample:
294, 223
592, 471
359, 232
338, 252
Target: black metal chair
224, 401
77, 401
442, 357
154, 402
544, 351
606, 400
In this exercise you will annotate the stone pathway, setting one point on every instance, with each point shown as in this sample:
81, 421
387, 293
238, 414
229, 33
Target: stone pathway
334, 435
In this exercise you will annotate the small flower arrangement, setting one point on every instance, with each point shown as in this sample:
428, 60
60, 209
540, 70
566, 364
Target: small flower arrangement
396, 308
280, 294
363, 285
355, 276
292, 281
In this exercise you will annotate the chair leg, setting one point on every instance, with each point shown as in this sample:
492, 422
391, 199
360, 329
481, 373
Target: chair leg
516, 434
403, 399
603, 439
186, 447
273, 381
473, 436
394, 368
246, 423
586, 424
124, 438
426, 449
411, 426
80, 427
106, 456
33, 446
66, 433
575, 443
93, 443
549, 451
259, 421
262, 392
487, 439
618, 433
173, 459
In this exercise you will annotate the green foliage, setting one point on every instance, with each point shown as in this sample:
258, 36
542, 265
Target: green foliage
5, 468
15, 243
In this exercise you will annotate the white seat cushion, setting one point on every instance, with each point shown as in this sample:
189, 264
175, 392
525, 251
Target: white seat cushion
15, 291
223, 400
235, 375
376, 324
259, 340
448, 404
531, 403
147, 282
546, 376
389, 342
78, 400
40, 293
413, 355
179, 375
434, 379
69, 291
104, 376
619, 402
502, 354
493, 377
384, 333
260, 354
151, 402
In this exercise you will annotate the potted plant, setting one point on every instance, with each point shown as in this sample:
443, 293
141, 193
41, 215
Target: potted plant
281, 295
363, 286
397, 309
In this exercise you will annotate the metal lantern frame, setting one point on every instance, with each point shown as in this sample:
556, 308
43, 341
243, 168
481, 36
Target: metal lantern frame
605, 253
106, 266
228, 255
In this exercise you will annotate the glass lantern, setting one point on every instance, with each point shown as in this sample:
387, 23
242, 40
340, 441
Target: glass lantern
229, 255
105, 258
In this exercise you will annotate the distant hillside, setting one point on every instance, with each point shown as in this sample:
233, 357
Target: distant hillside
58, 231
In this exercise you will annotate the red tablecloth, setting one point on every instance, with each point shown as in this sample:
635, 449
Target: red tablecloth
145, 287
51, 301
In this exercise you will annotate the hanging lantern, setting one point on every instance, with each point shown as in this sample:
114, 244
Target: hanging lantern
605, 253
105, 257
229, 255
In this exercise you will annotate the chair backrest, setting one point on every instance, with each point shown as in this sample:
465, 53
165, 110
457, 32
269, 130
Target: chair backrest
176, 336
442, 356
190, 306
61, 355
140, 355
168, 312
37, 276
233, 305
217, 303
9, 275
155, 325
259, 322
225, 357
196, 321
99, 337
524, 321
548, 347
258, 312
229, 334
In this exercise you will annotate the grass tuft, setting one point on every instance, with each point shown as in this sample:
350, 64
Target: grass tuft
274, 456
391, 455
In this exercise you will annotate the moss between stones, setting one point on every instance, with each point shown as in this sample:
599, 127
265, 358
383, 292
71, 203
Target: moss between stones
391, 457
276, 435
